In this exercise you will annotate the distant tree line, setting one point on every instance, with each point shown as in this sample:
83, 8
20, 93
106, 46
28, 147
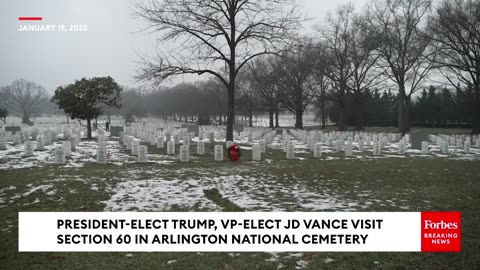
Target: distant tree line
401, 45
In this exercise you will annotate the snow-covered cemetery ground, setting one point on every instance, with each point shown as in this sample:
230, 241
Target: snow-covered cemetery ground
158, 166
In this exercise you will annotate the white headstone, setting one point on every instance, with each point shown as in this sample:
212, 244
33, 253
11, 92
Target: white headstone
348, 149
135, 146
60, 155
425, 150
47, 137
250, 137
67, 148
16, 139
101, 138
9, 135
160, 143
459, 143
338, 145
184, 153
228, 144
477, 143
401, 147
40, 143
101, 154
200, 148
142, 153
218, 154
361, 145
290, 151
377, 148
73, 142
466, 147
170, 147
176, 139
3, 141
212, 137
152, 139
256, 152
317, 150
263, 146
444, 147
28, 148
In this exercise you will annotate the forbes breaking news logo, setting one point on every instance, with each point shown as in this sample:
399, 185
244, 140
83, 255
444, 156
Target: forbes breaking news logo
441, 232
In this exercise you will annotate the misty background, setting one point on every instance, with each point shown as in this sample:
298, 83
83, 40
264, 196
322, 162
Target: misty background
111, 46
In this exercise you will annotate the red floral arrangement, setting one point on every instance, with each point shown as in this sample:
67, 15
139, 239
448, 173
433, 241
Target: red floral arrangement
234, 152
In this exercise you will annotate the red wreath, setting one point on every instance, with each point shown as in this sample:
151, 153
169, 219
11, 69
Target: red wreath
234, 152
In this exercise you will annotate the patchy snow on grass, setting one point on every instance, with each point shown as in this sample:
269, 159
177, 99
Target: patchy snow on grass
43, 188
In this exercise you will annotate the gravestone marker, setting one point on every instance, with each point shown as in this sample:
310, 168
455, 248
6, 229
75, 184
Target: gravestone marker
212, 137
184, 153
401, 148
200, 148
377, 148
317, 150
142, 154
74, 142
218, 155
67, 148
256, 152
171, 148
47, 138
101, 154
160, 143
3, 141
16, 139
361, 145
228, 144
135, 145
459, 143
466, 147
263, 146
8, 135
290, 151
348, 149
444, 147
60, 157
338, 145
101, 138
28, 148
425, 148
40, 144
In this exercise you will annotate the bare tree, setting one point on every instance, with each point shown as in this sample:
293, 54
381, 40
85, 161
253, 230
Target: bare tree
216, 37
248, 96
336, 40
296, 81
404, 47
322, 82
25, 98
264, 78
363, 57
456, 25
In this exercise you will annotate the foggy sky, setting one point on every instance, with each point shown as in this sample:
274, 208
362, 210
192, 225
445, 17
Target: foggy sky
110, 46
